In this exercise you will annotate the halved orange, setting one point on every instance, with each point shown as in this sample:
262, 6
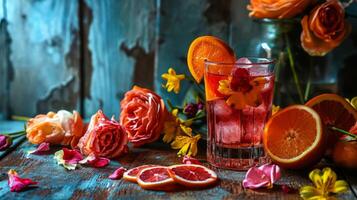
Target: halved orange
131, 174
207, 48
334, 111
156, 178
294, 137
192, 175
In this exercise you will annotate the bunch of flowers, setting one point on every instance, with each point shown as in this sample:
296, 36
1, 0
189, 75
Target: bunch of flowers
181, 129
323, 23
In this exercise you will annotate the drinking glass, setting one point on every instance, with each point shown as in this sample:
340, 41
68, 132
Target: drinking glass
239, 101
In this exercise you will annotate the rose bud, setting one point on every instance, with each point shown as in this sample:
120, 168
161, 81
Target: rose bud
104, 137
277, 9
5, 142
324, 29
190, 110
142, 114
62, 128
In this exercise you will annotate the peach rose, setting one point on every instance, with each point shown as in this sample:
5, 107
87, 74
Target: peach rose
324, 29
142, 114
62, 128
277, 9
104, 137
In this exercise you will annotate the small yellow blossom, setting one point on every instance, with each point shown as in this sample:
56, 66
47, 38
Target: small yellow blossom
325, 185
239, 99
275, 109
353, 102
186, 144
172, 127
173, 80
186, 130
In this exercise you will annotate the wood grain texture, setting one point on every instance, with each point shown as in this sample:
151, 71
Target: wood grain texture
121, 41
89, 183
44, 55
180, 23
4, 62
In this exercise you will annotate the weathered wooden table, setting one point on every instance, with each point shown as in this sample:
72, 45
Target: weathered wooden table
55, 182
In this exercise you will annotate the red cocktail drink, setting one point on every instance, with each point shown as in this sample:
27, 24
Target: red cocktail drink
239, 100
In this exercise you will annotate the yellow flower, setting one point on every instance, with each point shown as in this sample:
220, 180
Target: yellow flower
239, 99
353, 102
275, 109
325, 185
173, 80
186, 144
171, 127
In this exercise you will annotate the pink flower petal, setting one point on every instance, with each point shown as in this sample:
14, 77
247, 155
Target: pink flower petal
16, 183
272, 171
117, 174
99, 162
263, 176
255, 178
95, 161
190, 160
43, 147
71, 156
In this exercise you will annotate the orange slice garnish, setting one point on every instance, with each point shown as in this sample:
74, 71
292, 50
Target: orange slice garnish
207, 48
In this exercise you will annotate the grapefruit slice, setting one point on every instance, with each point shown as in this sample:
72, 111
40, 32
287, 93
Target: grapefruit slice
130, 175
334, 111
156, 178
191, 175
294, 137
207, 48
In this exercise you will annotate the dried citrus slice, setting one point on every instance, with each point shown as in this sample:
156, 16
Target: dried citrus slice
191, 175
334, 111
156, 178
207, 48
130, 175
294, 137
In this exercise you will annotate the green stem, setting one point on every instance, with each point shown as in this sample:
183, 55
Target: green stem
343, 132
15, 133
292, 66
308, 84
20, 118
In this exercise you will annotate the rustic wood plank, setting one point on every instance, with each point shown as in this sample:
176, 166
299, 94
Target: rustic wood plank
180, 23
4, 62
44, 55
89, 183
121, 41
350, 176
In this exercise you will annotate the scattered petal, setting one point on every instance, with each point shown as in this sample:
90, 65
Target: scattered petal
273, 172
255, 178
95, 161
190, 160
263, 176
43, 147
16, 183
117, 174
60, 161
71, 156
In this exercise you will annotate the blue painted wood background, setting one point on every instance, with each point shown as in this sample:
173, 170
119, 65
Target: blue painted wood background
85, 54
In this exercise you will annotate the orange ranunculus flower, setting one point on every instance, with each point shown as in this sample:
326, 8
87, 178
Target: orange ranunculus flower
63, 128
325, 28
142, 114
277, 9
104, 137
